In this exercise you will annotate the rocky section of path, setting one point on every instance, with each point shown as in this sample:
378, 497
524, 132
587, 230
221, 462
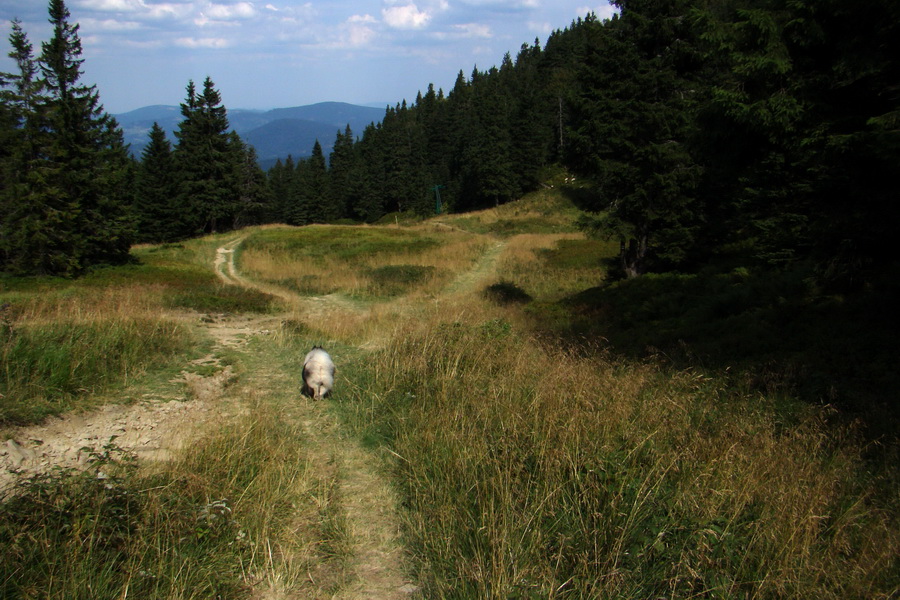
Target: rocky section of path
150, 430
153, 428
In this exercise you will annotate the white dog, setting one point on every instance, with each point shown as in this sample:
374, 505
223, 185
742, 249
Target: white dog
318, 373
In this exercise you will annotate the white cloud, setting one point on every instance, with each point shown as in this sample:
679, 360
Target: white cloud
603, 11
360, 36
140, 8
504, 3
109, 25
474, 30
543, 27
405, 17
190, 42
166, 10
226, 12
112, 5
357, 31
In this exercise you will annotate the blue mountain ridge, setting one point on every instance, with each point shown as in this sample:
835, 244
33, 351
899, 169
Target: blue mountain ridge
276, 133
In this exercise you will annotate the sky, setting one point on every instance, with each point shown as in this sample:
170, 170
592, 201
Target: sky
281, 53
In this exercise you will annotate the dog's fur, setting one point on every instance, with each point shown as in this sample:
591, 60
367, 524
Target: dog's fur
318, 373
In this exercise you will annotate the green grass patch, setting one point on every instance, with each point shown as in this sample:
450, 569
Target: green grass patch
342, 243
396, 280
579, 254
214, 297
174, 276
46, 369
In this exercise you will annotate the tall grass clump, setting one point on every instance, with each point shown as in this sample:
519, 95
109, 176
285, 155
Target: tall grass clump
237, 513
46, 366
537, 471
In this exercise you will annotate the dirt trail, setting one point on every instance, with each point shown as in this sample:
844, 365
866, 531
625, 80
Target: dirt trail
375, 568
467, 281
155, 427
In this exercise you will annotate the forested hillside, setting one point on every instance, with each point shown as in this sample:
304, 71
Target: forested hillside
746, 131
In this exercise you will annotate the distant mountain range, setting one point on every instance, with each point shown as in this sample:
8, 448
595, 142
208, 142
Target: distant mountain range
275, 134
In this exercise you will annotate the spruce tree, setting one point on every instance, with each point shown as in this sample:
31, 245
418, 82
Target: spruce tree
68, 210
342, 171
19, 139
280, 185
317, 193
368, 202
155, 209
206, 187
632, 115
298, 209
487, 166
249, 183
802, 134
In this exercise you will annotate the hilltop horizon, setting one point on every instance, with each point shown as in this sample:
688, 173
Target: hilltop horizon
275, 133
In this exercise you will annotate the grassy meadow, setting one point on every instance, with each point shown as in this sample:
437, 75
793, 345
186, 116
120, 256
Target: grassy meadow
363, 263
533, 456
66, 344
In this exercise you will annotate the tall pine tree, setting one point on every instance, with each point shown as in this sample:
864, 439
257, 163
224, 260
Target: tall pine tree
156, 212
632, 122
67, 209
206, 186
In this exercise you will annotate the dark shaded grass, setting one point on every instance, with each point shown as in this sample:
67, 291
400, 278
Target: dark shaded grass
772, 331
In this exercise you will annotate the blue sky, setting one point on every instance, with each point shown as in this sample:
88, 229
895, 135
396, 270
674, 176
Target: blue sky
279, 53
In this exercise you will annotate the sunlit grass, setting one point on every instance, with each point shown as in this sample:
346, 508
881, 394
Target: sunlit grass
552, 266
546, 211
532, 470
362, 262
64, 343
530, 465
240, 511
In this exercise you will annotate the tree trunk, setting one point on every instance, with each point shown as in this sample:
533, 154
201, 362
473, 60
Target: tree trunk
633, 256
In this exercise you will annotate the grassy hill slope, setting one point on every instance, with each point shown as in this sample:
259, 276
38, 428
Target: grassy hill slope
529, 456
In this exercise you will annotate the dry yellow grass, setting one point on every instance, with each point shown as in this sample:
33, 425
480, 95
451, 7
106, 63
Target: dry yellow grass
330, 274
524, 263
531, 467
